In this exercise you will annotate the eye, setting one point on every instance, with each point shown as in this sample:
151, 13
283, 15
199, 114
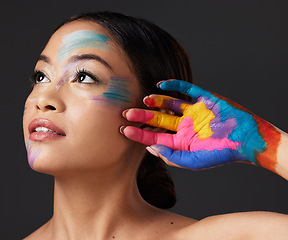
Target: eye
39, 77
85, 77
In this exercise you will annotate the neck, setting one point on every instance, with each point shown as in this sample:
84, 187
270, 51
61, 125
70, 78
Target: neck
95, 207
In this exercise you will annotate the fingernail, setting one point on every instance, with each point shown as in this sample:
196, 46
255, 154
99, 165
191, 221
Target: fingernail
159, 84
147, 101
122, 129
152, 151
124, 113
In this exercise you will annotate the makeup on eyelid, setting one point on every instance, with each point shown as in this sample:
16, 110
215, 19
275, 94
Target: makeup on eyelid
81, 39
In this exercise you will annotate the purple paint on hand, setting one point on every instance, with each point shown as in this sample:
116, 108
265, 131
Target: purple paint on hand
219, 128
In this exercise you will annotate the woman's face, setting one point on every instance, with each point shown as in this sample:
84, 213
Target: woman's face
72, 117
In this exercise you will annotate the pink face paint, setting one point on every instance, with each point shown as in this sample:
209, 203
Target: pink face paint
118, 92
32, 154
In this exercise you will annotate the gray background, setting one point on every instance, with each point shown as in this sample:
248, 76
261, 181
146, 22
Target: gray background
238, 49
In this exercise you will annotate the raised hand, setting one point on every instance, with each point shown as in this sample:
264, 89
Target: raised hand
211, 132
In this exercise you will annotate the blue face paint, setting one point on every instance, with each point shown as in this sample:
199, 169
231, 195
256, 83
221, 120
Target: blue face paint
81, 39
118, 92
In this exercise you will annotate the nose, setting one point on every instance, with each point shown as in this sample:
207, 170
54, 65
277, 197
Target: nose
50, 100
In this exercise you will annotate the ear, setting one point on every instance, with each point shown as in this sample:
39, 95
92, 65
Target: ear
156, 129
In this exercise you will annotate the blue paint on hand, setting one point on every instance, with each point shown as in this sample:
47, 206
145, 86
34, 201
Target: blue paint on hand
245, 131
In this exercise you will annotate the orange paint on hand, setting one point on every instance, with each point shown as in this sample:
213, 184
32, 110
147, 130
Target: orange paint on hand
272, 137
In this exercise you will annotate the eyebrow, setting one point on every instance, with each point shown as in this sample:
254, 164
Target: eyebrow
89, 57
44, 58
78, 58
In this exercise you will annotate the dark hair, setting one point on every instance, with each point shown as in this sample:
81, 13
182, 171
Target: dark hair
154, 55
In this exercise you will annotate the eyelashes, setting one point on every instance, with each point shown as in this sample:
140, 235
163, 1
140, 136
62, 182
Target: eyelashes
36, 76
81, 76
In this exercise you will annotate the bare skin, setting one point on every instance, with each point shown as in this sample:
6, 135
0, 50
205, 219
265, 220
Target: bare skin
96, 195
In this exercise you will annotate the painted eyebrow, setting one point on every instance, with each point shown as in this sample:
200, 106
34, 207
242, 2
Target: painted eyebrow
89, 57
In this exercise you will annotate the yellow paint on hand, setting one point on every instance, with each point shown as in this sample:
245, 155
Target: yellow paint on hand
201, 117
166, 121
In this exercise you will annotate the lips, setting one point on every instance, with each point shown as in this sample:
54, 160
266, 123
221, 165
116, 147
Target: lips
42, 129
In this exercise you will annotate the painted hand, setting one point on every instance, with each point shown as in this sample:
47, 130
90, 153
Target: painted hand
212, 132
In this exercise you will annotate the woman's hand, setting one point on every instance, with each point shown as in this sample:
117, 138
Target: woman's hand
211, 132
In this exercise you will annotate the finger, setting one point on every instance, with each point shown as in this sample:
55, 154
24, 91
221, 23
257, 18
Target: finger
195, 160
148, 137
153, 118
156, 154
166, 102
184, 87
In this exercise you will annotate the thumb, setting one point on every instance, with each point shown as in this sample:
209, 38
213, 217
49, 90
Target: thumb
162, 152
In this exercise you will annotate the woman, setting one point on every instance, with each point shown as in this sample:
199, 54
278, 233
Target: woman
92, 73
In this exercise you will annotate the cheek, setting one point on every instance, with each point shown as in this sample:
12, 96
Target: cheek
97, 121
94, 132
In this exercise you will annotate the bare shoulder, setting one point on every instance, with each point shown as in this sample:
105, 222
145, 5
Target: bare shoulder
40, 233
247, 225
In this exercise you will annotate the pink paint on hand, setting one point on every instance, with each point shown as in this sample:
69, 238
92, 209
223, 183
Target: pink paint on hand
148, 137
186, 139
139, 115
148, 101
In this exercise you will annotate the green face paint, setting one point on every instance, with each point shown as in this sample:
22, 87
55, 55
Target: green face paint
81, 39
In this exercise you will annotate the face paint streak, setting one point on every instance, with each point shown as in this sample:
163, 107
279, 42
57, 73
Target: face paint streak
32, 99
81, 39
31, 154
118, 92
67, 74
24, 111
